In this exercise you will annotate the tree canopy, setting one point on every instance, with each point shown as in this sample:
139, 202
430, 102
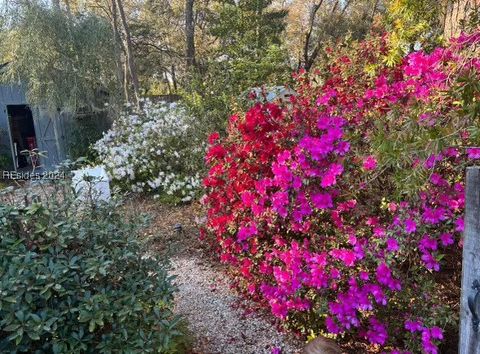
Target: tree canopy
65, 61
71, 54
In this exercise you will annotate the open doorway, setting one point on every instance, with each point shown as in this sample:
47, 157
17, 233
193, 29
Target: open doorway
22, 131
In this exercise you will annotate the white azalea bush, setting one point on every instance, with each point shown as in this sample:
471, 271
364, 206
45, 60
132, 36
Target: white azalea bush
154, 150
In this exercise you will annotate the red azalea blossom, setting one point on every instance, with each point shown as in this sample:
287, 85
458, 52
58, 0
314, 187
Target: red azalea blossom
307, 228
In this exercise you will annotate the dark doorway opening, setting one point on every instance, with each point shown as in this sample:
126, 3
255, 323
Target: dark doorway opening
23, 135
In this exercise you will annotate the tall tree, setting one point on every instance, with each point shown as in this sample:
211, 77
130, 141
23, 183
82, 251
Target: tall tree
250, 34
118, 48
410, 23
190, 32
313, 24
130, 60
246, 52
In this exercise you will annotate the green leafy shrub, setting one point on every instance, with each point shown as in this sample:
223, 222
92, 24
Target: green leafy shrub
77, 280
86, 130
5, 161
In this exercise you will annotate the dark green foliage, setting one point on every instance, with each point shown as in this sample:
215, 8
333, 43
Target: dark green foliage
85, 131
250, 54
5, 161
80, 281
250, 36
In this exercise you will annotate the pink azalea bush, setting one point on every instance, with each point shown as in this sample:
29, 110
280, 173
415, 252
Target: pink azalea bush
308, 201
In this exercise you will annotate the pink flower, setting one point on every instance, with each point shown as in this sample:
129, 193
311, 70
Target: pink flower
413, 326
364, 276
317, 147
446, 239
332, 327
379, 231
281, 276
430, 262
348, 257
278, 309
467, 39
282, 175
377, 293
436, 332
370, 163
392, 245
427, 336
213, 138
283, 157
377, 333
473, 153
436, 179
434, 215
246, 231
428, 243
329, 179
384, 274
279, 203
392, 207
410, 226
322, 200
323, 100
459, 225
247, 198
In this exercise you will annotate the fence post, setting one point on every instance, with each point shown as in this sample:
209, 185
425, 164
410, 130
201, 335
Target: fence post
469, 337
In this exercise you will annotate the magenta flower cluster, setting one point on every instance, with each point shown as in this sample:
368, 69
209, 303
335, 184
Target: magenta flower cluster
296, 205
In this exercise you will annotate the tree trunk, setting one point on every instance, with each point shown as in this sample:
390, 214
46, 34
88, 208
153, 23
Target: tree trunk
174, 78
129, 53
126, 91
69, 10
190, 33
455, 12
307, 58
118, 47
374, 11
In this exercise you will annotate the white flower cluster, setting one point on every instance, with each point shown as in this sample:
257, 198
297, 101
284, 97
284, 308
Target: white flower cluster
153, 151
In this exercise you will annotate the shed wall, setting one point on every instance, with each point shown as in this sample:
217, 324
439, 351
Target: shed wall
9, 95
50, 129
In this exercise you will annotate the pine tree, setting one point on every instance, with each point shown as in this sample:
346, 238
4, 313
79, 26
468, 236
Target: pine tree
249, 34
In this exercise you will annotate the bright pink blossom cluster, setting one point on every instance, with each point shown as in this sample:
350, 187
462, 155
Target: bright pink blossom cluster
296, 199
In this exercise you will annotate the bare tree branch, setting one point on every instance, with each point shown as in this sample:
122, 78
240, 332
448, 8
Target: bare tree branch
306, 57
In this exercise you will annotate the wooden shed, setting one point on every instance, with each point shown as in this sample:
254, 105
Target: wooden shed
26, 127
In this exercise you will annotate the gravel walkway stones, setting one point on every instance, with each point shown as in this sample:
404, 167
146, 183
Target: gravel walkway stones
218, 325
219, 319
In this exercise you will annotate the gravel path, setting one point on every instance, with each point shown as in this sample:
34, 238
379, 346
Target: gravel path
219, 327
215, 313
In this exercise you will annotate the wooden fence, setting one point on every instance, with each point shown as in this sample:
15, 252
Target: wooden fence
470, 296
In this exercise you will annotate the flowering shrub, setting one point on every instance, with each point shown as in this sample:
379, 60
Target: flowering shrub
153, 151
337, 209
